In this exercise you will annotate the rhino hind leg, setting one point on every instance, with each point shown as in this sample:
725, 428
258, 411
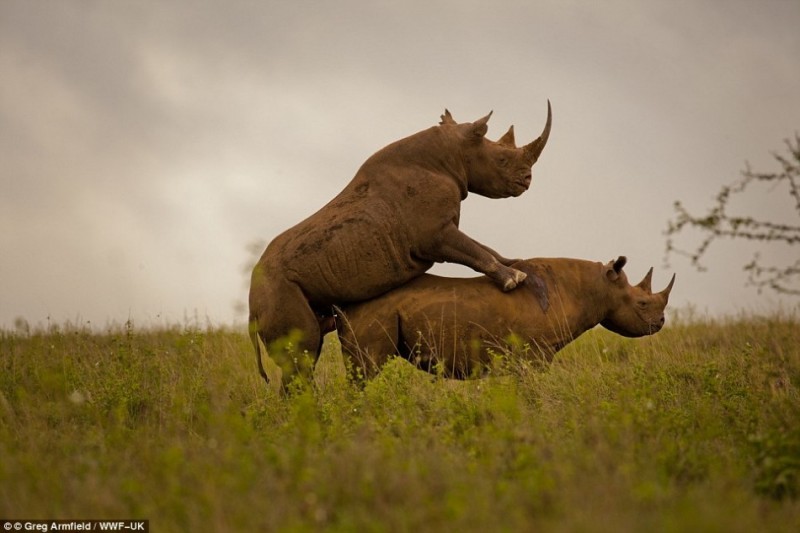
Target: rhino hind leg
367, 342
290, 331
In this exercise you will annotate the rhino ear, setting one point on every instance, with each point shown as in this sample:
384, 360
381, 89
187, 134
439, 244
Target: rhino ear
447, 118
479, 128
614, 268
508, 138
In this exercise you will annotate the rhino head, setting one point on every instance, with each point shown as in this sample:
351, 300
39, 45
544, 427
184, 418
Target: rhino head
496, 169
635, 310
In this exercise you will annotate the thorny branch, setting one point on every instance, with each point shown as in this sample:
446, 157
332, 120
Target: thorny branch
717, 223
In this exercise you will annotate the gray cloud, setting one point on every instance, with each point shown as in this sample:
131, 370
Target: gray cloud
145, 144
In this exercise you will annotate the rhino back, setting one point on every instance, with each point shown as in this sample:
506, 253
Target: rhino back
463, 308
347, 255
370, 238
453, 312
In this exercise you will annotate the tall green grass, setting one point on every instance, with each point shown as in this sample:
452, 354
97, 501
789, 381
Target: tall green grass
694, 429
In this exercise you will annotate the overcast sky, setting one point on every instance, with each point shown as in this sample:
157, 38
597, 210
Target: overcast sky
145, 145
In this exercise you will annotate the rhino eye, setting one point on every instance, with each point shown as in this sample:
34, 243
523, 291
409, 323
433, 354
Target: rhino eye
641, 304
502, 161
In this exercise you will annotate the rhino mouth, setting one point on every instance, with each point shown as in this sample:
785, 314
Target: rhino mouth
655, 327
524, 182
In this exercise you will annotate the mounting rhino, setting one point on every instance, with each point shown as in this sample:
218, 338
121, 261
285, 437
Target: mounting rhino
397, 216
451, 326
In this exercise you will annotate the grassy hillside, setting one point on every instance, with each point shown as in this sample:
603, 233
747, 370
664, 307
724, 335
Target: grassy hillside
694, 429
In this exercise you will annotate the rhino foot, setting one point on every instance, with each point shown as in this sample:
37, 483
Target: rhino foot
516, 278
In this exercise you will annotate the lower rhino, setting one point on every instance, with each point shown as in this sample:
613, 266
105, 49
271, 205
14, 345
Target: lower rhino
451, 326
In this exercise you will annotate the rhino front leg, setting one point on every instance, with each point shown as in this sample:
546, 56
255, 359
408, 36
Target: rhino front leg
456, 247
503, 260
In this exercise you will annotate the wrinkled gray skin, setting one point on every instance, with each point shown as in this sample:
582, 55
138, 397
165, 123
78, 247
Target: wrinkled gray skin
450, 325
398, 216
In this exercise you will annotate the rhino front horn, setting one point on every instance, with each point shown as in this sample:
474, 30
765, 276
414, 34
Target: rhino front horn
534, 149
665, 292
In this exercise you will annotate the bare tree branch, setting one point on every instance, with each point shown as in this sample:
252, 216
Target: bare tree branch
717, 224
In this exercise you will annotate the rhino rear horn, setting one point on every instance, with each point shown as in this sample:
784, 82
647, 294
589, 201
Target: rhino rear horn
508, 138
534, 149
645, 284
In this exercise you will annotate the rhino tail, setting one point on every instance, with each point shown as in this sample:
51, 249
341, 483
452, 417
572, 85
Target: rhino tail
255, 338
